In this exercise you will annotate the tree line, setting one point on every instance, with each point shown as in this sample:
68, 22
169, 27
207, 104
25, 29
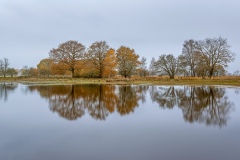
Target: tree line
202, 58
208, 57
99, 60
5, 70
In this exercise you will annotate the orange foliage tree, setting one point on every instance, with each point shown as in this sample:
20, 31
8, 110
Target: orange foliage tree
96, 55
45, 67
127, 61
110, 63
68, 54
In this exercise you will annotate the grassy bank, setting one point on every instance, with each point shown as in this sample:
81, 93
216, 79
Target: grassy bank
226, 80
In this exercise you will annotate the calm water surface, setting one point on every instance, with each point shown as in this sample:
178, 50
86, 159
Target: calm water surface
119, 122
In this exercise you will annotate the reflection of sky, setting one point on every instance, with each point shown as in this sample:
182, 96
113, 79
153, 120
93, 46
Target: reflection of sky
235, 98
30, 131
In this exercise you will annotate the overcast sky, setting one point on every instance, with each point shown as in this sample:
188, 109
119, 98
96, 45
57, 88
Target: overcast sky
29, 29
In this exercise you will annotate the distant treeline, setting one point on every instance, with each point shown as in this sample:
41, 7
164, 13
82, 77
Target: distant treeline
202, 58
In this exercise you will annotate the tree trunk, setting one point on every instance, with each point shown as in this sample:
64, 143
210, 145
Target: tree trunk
171, 76
211, 73
101, 72
72, 72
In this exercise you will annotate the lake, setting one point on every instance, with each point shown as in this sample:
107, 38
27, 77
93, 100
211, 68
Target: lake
135, 122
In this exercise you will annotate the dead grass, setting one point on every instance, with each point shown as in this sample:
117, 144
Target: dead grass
163, 80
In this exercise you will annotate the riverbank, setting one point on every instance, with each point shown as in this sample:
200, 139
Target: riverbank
234, 80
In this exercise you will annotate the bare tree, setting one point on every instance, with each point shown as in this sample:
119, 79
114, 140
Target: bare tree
68, 53
167, 64
152, 68
143, 72
215, 52
4, 64
236, 73
189, 55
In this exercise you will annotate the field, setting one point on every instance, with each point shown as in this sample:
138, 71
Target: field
164, 80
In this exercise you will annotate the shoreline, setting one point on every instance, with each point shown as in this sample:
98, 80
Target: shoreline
132, 81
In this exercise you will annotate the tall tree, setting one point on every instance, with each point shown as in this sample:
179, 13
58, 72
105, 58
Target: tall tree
152, 68
215, 52
110, 63
4, 64
167, 64
189, 55
127, 61
143, 72
96, 55
68, 53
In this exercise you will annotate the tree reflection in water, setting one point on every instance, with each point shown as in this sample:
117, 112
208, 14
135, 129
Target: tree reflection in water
71, 102
166, 97
205, 104
128, 98
5, 89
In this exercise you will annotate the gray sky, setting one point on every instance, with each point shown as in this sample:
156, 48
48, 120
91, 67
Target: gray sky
29, 29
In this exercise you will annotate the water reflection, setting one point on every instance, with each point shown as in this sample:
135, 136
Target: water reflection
166, 97
71, 102
237, 91
206, 104
6, 89
209, 105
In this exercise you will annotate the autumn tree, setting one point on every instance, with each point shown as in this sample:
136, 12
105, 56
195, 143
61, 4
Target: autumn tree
167, 64
110, 63
4, 64
215, 52
68, 53
45, 67
29, 71
59, 69
96, 55
127, 61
